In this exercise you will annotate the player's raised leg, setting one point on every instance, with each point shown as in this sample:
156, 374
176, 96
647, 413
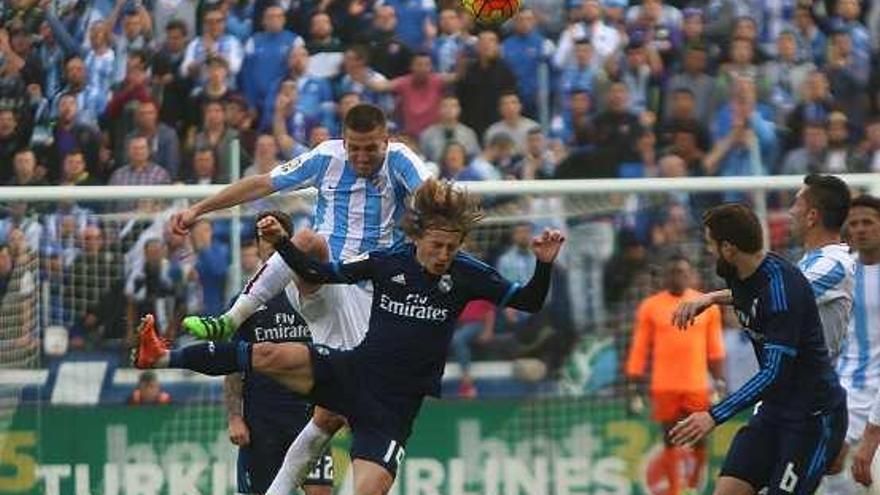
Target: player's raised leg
289, 363
269, 280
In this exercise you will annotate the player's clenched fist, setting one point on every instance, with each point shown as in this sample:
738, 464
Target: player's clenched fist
182, 221
546, 246
270, 230
239, 434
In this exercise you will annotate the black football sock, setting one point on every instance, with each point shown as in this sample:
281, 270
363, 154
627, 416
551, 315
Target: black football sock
213, 358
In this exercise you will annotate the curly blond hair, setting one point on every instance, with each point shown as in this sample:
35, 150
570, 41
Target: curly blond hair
438, 204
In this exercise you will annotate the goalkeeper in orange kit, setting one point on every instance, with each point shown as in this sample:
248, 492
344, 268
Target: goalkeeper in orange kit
681, 363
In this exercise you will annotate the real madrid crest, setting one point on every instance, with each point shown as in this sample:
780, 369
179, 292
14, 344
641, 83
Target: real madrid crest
445, 283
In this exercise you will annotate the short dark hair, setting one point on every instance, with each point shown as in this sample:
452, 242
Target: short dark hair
830, 195
209, 103
73, 152
364, 117
683, 90
737, 224
361, 52
283, 219
147, 377
176, 24
507, 92
23, 151
73, 56
866, 201
676, 257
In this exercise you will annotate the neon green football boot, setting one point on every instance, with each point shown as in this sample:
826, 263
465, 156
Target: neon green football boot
209, 327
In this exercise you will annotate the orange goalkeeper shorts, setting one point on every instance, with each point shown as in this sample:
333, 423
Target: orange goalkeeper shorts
668, 407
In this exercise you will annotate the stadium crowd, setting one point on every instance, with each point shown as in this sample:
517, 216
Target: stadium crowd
140, 92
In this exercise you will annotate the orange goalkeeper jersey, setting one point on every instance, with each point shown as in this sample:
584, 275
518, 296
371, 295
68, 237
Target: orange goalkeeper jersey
679, 357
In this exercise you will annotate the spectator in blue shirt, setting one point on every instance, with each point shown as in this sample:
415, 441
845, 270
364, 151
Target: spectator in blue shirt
239, 21
213, 42
90, 101
315, 93
287, 120
452, 43
414, 17
454, 164
389, 55
574, 126
581, 75
265, 55
849, 12
525, 52
212, 265
812, 42
748, 145
356, 67
848, 78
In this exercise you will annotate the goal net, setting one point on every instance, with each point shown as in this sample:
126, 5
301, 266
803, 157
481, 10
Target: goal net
78, 274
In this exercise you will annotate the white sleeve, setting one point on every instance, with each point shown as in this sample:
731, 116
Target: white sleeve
826, 276
235, 56
188, 57
565, 48
300, 172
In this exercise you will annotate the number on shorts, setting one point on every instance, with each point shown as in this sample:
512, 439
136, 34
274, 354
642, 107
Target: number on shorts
789, 479
394, 451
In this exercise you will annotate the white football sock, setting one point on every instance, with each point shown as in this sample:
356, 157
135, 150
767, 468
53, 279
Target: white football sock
269, 281
299, 459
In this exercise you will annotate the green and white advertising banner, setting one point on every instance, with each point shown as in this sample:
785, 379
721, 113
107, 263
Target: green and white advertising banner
547, 446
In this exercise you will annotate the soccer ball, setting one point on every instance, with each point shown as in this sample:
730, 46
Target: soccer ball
491, 11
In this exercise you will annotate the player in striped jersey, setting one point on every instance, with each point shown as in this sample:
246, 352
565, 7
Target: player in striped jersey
363, 182
817, 217
859, 367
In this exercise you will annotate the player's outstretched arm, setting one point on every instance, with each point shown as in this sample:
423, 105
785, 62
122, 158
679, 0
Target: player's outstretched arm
777, 362
242, 191
309, 269
531, 296
688, 311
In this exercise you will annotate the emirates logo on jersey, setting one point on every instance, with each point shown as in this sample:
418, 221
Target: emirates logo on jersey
415, 307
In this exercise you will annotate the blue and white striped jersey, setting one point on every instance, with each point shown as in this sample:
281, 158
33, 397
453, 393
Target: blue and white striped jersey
830, 270
859, 366
355, 214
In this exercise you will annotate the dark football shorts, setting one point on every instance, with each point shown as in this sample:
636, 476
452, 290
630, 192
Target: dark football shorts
786, 457
380, 422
